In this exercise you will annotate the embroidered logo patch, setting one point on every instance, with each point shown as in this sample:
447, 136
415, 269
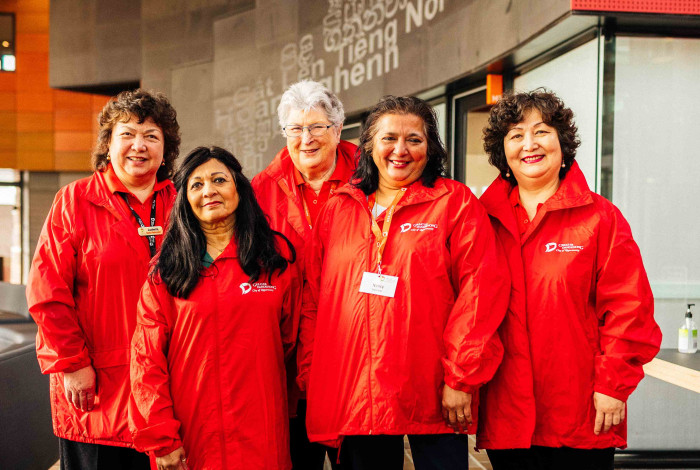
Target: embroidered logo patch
418, 227
562, 247
247, 288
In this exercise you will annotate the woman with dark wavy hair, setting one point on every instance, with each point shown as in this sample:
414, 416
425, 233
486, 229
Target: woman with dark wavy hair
90, 263
406, 294
215, 320
580, 323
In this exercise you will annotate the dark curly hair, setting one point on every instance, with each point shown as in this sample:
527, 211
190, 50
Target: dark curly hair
142, 105
511, 109
179, 262
366, 175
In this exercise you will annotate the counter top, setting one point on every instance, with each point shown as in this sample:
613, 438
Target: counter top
691, 361
682, 370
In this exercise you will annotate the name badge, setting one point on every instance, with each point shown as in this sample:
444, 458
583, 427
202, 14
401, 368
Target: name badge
147, 231
379, 284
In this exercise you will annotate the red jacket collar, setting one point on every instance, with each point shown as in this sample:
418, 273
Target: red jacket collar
282, 167
417, 192
573, 192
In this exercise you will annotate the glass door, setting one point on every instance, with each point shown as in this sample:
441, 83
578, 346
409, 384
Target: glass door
470, 164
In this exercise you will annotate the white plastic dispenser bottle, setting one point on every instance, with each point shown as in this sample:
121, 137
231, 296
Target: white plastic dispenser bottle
688, 334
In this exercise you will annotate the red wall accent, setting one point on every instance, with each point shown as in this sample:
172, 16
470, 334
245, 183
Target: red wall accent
672, 7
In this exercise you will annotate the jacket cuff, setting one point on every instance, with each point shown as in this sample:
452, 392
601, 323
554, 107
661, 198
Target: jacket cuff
167, 450
70, 366
611, 393
453, 384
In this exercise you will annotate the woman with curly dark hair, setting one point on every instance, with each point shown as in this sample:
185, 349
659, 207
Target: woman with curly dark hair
215, 320
90, 263
580, 323
398, 332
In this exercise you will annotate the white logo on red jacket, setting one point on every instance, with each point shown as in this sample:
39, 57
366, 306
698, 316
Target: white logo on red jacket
562, 248
418, 227
246, 288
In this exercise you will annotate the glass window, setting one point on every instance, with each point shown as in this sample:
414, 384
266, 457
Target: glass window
471, 164
351, 132
573, 76
656, 165
10, 227
7, 42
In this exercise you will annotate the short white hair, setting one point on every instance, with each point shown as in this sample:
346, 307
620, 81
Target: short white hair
307, 94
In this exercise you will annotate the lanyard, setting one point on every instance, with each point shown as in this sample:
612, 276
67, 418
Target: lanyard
334, 185
383, 235
283, 186
151, 238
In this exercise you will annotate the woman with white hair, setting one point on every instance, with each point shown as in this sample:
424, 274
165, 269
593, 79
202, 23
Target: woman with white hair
291, 191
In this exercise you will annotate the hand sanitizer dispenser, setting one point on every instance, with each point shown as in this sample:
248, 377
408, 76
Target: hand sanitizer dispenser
688, 334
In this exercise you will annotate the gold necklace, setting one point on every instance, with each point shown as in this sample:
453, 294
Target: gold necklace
220, 250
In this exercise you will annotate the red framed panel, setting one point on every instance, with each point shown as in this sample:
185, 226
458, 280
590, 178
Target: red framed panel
671, 7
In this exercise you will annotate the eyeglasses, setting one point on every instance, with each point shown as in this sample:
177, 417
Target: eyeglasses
316, 130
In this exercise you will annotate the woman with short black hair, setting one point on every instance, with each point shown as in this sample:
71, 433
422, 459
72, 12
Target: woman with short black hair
580, 323
215, 320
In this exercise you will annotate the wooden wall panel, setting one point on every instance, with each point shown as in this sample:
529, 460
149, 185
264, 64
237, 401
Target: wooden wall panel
34, 122
34, 102
73, 161
40, 128
8, 141
73, 141
72, 100
8, 159
72, 120
8, 101
8, 82
32, 42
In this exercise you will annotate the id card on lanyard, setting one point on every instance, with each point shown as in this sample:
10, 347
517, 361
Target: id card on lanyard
148, 232
378, 283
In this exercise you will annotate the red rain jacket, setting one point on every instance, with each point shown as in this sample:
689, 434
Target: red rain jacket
89, 266
376, 365
285, 214
207, 372
581, 319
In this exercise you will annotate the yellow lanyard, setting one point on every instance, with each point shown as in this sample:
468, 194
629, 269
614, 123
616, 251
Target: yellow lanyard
283, 185
334, 185
383, 235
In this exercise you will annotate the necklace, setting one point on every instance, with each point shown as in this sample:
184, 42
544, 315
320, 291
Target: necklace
220, 250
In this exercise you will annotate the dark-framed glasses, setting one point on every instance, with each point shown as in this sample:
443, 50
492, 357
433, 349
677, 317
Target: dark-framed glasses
316, 130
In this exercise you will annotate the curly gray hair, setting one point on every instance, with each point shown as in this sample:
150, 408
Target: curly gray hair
308, 94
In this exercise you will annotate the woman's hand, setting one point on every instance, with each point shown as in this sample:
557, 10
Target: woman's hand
609, 412
80, 388
456, 408
175, 460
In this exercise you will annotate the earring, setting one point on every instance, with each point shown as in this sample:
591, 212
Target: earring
162, 163
508, 174
563, 165
108, 158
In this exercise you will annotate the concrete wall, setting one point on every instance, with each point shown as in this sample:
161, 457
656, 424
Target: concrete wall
94, 42
225, 63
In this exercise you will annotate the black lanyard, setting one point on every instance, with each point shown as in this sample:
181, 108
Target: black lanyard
151, 238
